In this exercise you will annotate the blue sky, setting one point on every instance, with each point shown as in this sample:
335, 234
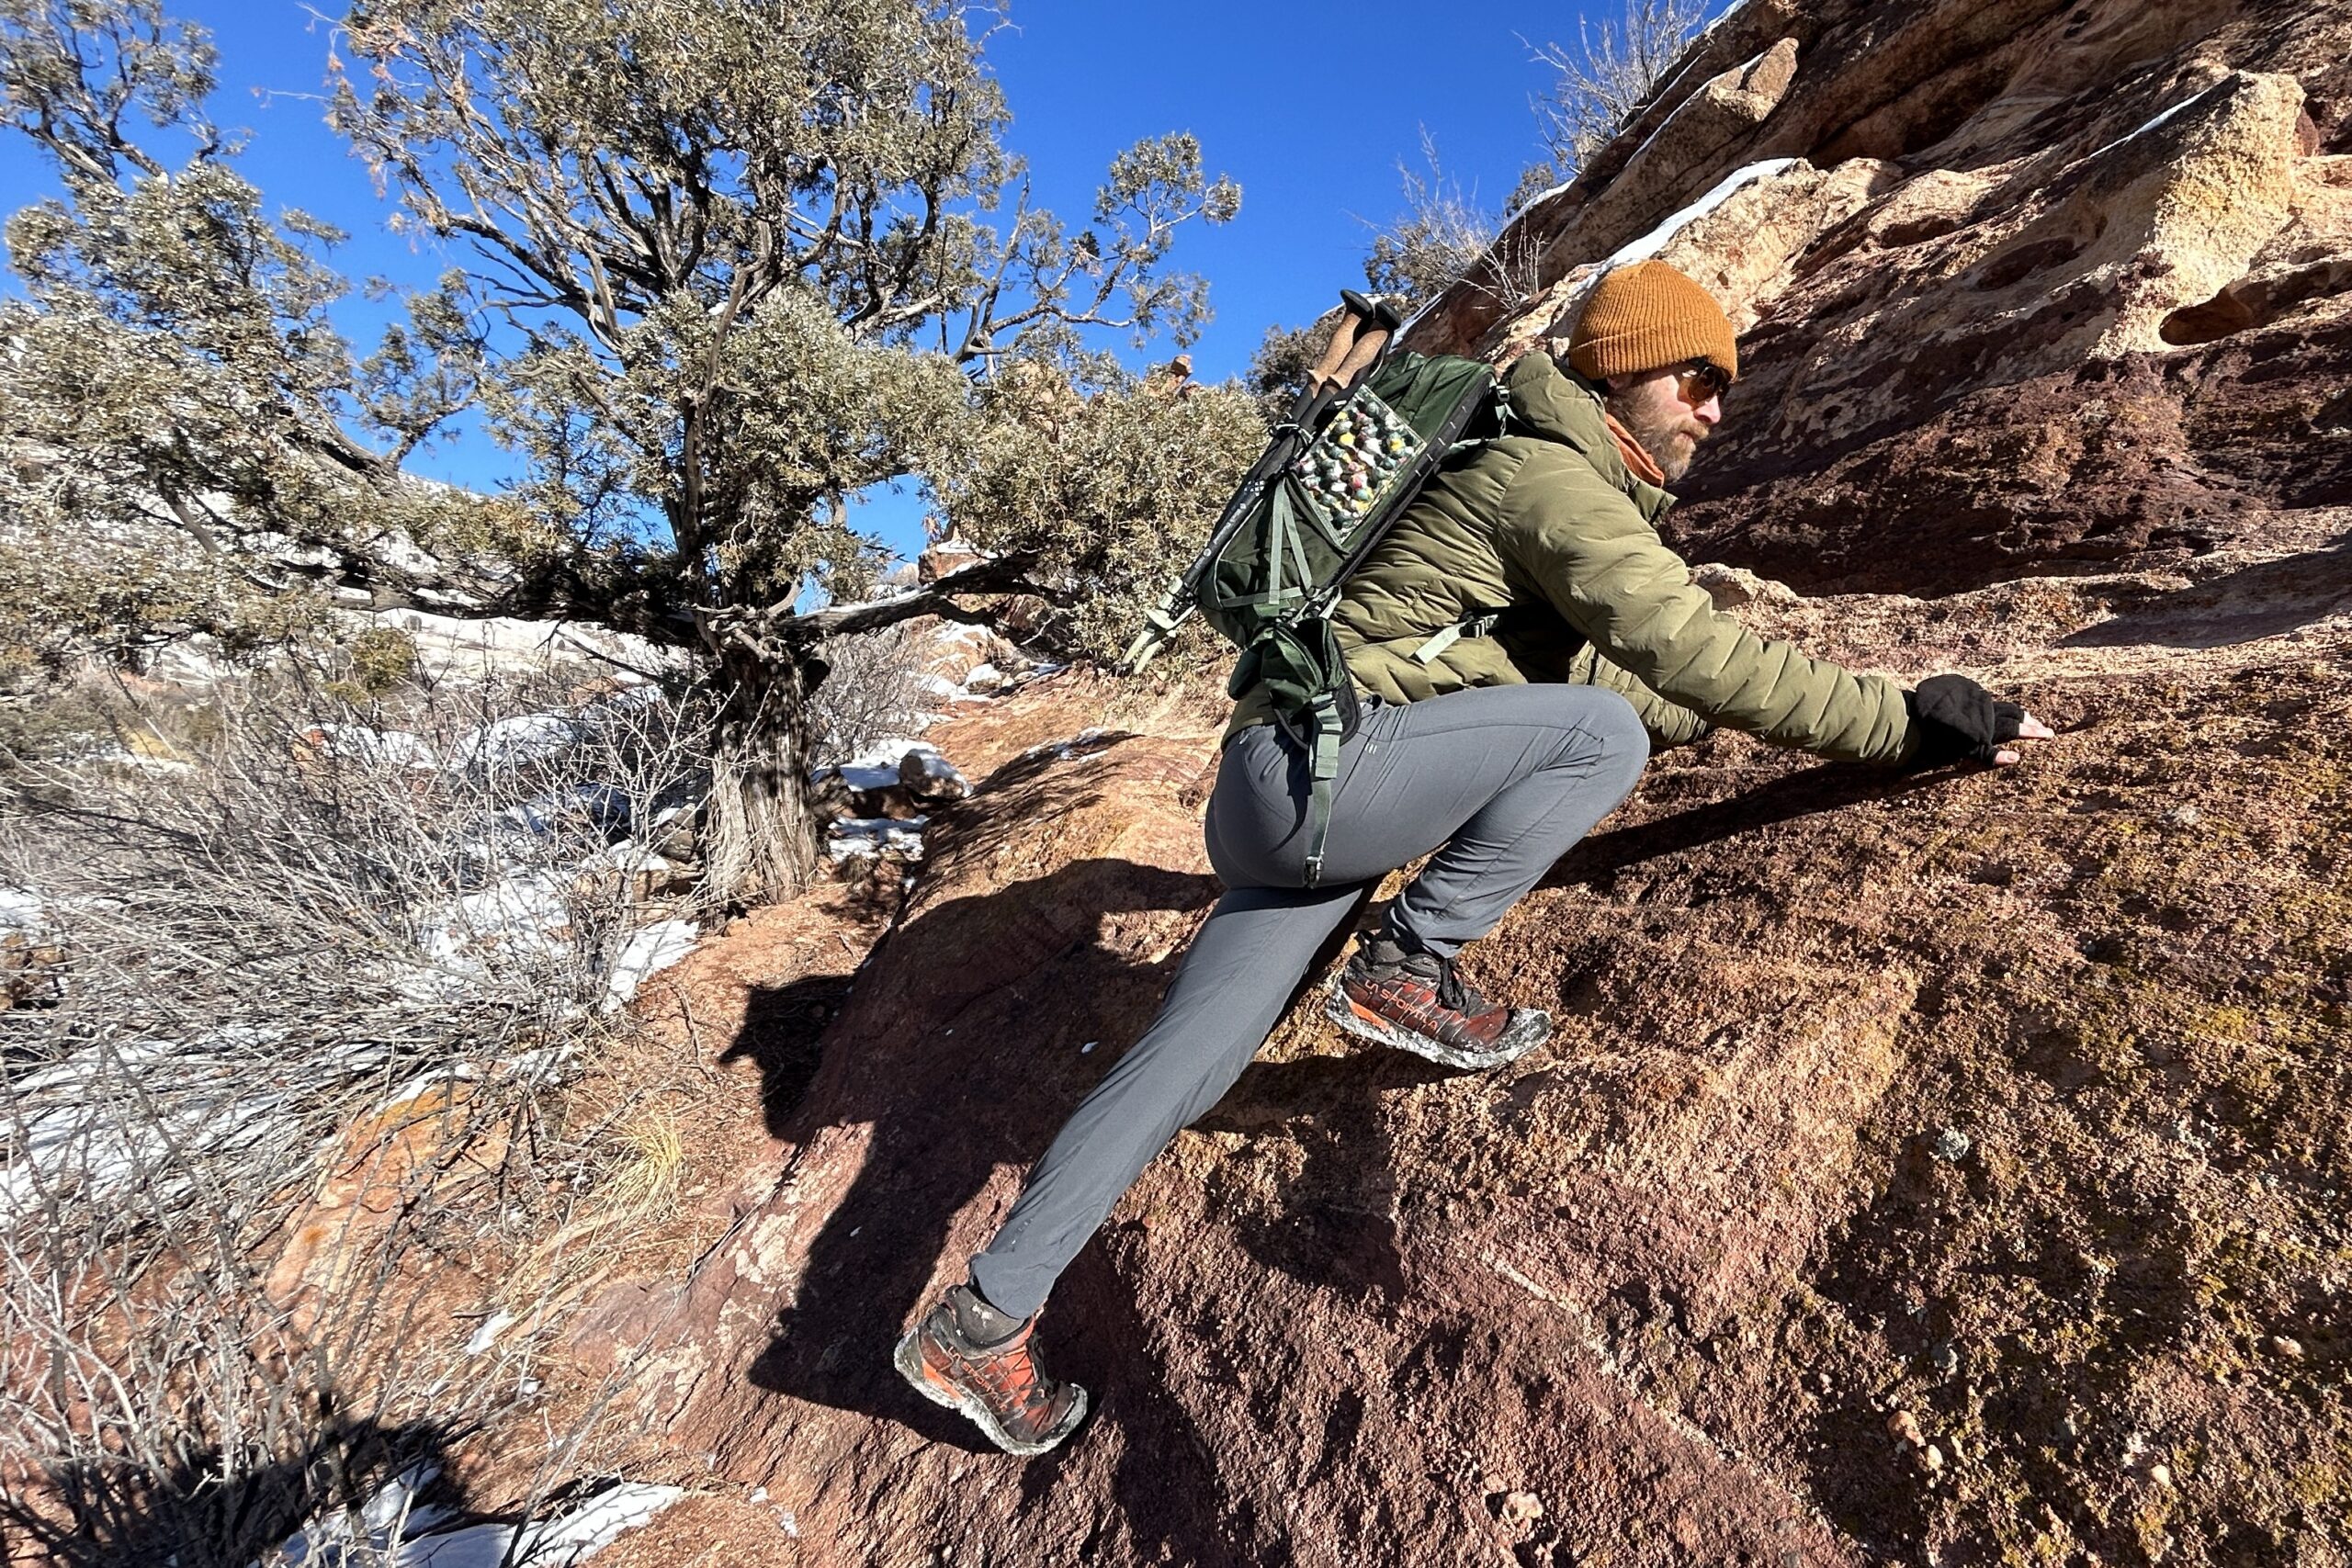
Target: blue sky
1310, 106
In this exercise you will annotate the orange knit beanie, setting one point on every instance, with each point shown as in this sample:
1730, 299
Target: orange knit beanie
1648, 316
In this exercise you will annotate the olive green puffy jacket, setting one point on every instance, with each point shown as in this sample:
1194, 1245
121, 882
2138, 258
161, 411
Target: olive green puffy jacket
1547, 532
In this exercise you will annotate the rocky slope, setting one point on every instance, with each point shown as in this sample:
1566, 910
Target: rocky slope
1947, 1170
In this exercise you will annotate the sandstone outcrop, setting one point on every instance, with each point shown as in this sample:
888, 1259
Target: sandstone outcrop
2026, 286
1944, 1169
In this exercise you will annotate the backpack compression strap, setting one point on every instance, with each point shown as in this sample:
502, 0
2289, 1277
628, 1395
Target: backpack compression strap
1318, 731
1324, 752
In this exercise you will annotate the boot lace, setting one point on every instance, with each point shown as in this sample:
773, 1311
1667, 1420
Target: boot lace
1452, 994
1012, 1377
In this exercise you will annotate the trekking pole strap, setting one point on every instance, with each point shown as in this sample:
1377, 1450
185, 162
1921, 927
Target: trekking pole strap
1161, 624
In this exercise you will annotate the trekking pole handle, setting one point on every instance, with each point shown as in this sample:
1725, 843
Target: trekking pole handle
1343, 339
1367, 348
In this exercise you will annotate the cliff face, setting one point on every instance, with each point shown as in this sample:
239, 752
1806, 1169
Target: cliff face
1947, 1170
2023, 287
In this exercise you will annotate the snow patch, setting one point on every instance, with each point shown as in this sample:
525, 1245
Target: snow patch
484, 1337
1733, 9
1659, 129
514, 742
516, 917
883, 764
395, 1530
2161, 117
1082, 744
22, 910
647, 952
856, 836
83, 1125
467, 648
938, 776
1521, 210
1658, 238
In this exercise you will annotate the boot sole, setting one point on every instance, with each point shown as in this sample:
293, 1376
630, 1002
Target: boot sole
1528, 1028
908, 1358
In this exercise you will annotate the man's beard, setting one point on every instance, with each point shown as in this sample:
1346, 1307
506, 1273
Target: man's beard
1665, 433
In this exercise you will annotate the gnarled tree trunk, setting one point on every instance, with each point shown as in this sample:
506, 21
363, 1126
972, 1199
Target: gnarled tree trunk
761, 837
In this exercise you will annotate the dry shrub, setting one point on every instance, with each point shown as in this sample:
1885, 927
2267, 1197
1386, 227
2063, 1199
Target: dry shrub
873, 690
279, 1135
1610, 73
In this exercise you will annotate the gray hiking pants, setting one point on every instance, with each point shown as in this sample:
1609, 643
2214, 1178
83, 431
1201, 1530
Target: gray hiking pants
1499, 782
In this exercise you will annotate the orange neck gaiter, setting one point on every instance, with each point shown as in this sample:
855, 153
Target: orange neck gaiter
1636, 457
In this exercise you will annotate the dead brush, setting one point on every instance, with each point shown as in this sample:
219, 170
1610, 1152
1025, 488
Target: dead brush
274, 1142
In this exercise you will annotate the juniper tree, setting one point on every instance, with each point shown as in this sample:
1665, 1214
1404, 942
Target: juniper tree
1113, 480
189, 441
753, 253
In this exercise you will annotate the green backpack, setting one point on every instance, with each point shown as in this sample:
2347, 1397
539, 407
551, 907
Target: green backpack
1365, 435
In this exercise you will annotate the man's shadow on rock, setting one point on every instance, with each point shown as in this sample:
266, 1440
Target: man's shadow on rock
1806, 793
972, 1063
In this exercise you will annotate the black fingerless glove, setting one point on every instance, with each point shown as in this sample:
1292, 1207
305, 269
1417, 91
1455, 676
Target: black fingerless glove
1959, 720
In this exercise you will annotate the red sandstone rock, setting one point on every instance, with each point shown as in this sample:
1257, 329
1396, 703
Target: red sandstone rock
2016, 281
1674, 1274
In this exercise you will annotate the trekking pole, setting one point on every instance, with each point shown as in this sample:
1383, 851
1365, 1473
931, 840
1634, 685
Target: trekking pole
1369, 343
1365, 326
1358, 312
1341, 358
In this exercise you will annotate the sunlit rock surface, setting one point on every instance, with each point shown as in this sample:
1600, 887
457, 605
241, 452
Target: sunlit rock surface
1938, 1169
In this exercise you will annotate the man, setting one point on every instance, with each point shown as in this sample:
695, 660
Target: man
1521, 640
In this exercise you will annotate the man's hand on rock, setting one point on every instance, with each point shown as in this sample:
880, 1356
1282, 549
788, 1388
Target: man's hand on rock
1960, 721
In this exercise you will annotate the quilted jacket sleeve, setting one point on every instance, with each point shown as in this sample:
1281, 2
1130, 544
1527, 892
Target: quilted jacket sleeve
1581, 541
1670, 723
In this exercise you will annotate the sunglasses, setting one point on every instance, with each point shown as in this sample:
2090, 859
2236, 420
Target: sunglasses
1698, 383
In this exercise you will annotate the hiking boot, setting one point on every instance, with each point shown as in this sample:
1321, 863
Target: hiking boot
1417, 1002
969, 1356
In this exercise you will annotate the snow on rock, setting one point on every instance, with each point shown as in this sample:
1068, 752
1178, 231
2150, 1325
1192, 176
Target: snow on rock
2160, 118
928, 776
647, 952
196, 660
396, 1530
453, 647
863, 775
1658, 238
854, 835
514, 742
881, 764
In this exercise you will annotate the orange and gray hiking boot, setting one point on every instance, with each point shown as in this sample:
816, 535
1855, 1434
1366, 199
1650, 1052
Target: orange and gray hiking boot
969, 1356
1415, 1001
